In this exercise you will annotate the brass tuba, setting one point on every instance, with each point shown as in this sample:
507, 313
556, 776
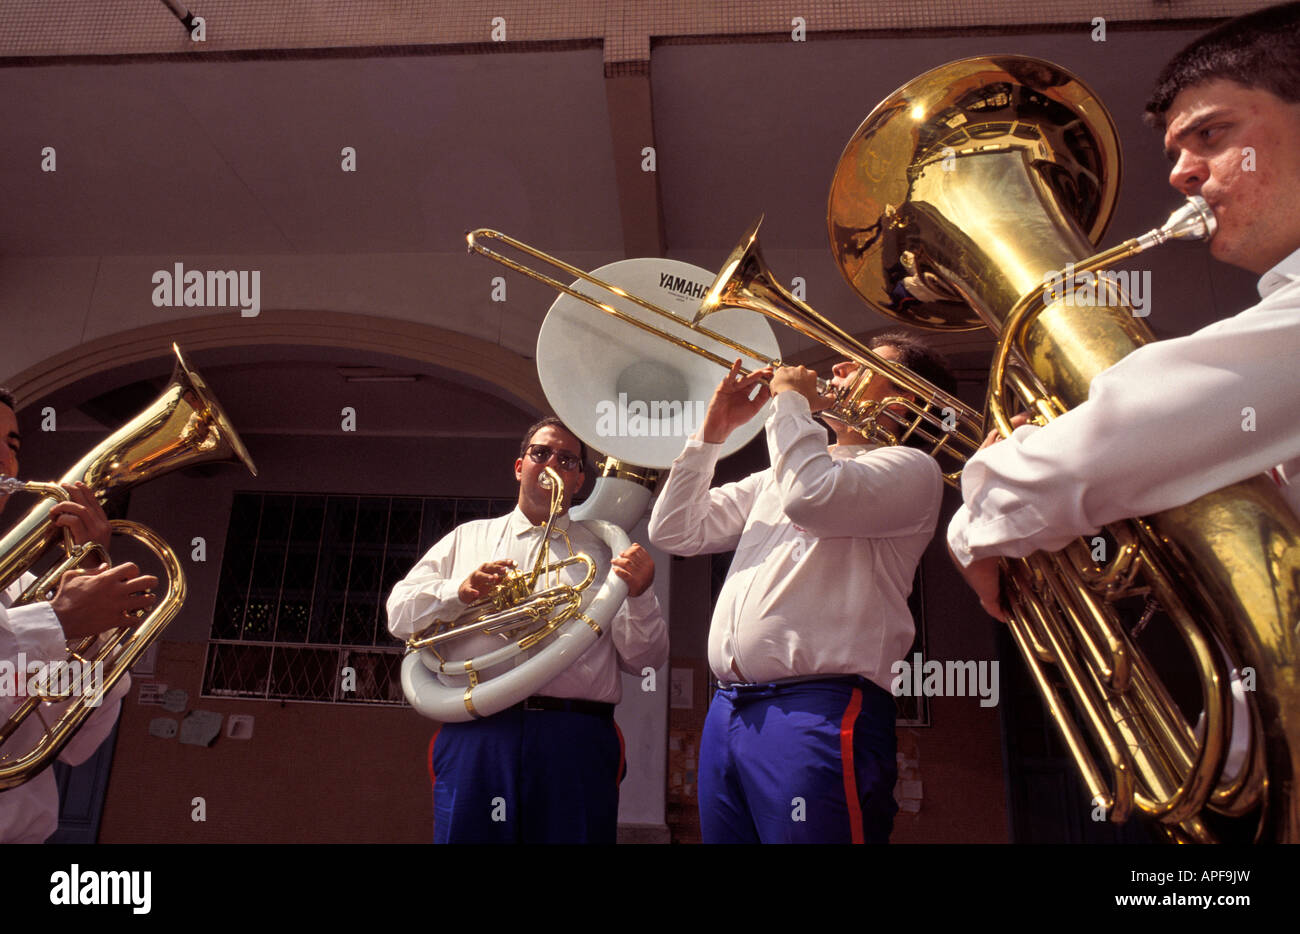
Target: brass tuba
184, 426
953, 204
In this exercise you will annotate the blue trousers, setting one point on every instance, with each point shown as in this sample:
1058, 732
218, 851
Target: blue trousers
808, 762
527, 776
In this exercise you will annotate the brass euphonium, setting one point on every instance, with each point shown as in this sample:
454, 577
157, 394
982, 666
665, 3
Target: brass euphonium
184, 426
953, 205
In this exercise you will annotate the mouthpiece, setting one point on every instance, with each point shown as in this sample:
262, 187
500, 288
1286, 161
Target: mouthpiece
1193, 221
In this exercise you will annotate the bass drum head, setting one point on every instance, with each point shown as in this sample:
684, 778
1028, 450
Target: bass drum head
626, 392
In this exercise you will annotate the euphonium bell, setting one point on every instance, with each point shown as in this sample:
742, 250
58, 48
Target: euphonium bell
184, 426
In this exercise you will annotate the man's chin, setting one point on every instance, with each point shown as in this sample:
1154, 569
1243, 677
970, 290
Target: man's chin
1227, 249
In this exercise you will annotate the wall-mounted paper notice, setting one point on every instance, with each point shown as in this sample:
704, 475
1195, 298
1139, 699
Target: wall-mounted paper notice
151, 693
162, 727
201, 728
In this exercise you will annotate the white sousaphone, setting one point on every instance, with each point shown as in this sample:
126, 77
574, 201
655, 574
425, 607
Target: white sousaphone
633, 397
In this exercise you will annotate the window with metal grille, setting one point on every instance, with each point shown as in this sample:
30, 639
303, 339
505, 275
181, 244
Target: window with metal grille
300, 604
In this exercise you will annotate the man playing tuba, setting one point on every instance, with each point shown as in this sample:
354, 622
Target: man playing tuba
1180, 418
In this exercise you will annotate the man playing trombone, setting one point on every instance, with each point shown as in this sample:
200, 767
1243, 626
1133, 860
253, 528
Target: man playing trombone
86, 603
799, 745
548, 769
1180, 418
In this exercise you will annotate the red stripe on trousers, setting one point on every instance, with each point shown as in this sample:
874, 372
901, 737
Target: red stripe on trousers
846, 760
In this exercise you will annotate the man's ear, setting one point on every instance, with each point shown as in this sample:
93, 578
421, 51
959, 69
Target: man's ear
519, 468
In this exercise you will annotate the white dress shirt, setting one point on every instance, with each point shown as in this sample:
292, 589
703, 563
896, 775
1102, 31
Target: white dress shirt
1172, 421
636, 638
30, 812
826, 542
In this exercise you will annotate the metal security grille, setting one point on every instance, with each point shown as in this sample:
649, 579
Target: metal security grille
300, 604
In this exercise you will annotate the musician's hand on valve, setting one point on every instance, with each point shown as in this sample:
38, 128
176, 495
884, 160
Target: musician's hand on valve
731, 405
635, 566
480, 583
802, 380
82, 516
994, 436
90, 602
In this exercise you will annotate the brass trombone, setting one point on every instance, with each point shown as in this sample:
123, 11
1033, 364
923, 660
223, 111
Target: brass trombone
184, 426
951, 430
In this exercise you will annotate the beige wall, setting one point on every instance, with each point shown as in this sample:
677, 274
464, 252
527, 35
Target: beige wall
311, 773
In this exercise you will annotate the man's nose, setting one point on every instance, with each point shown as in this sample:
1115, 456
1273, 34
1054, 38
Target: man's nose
1188, 174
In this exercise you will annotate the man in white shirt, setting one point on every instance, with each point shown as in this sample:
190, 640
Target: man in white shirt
1167, 424
548, 769
799, 745
86, 603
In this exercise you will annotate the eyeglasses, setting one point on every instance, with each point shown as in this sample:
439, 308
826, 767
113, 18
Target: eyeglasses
540, 454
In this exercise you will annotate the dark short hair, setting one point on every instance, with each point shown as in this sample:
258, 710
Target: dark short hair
1258, 50
7, 398
919, 357
552, 422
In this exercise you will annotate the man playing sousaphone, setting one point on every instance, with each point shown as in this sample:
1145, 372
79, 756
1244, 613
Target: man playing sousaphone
546, 770
813, 613
86, 603
1166, 424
